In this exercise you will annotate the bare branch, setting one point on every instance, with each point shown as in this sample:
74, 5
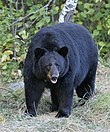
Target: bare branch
14, 28
30, 14
33, 21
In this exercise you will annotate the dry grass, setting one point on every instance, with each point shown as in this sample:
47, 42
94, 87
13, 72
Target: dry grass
94, 116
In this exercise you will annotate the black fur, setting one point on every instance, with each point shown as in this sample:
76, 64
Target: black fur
72, 47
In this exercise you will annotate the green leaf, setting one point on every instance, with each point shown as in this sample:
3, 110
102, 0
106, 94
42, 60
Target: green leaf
17, 49
1, 4
107, 5
87, 6
33, 17
99, 27
4, 67
8, 52
98, 15
108, 23
83, 14
91, 11
102, 44
109, 32
56, 9
80, 2
47, 19
95, 33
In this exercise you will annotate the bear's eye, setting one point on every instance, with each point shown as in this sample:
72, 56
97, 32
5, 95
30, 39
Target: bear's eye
48, 66
57, 64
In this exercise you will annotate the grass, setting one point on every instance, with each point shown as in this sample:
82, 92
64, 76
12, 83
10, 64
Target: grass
94, 116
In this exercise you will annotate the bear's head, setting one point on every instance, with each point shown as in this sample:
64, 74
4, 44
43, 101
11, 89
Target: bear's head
50, 65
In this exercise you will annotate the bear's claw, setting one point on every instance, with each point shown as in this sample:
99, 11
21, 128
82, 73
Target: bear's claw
31, 114
62, 114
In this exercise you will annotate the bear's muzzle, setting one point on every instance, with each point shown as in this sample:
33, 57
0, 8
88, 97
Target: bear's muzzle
53, 76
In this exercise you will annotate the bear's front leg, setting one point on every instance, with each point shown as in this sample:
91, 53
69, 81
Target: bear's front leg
54, 100
65, 97
33, 92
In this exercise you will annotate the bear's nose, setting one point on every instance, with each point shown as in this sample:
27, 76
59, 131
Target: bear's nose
54, 78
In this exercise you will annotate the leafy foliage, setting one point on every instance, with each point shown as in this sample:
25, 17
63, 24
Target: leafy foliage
19, 21
95, 16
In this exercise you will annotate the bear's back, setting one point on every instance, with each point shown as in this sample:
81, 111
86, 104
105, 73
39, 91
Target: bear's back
76, 37
63, 34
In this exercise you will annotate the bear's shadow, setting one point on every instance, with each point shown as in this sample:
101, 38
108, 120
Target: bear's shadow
44, 107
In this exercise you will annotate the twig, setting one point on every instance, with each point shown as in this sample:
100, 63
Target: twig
15, 29
22, 3
33, 21
52, 10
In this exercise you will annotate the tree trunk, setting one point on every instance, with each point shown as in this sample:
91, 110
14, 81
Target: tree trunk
68, 11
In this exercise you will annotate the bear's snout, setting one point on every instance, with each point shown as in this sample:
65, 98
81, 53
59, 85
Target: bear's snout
53, 76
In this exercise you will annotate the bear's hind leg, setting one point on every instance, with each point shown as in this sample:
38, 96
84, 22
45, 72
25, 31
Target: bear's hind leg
86, 88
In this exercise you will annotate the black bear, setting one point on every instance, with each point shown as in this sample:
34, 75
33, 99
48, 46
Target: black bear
64, 58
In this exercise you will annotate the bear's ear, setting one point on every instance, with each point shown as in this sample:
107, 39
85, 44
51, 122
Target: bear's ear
39, 52
63, 51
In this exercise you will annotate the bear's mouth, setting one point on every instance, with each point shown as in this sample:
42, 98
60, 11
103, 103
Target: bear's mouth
54, 79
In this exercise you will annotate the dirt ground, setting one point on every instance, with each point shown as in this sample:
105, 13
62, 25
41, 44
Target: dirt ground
94, 116
103, 79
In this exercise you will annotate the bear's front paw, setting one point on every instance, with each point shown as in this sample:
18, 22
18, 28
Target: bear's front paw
30, 113
54, 108
62, 114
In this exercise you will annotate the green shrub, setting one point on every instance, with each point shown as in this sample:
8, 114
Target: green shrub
95, 16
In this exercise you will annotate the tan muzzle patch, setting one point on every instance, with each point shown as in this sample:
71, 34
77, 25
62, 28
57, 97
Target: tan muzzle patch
53, 78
